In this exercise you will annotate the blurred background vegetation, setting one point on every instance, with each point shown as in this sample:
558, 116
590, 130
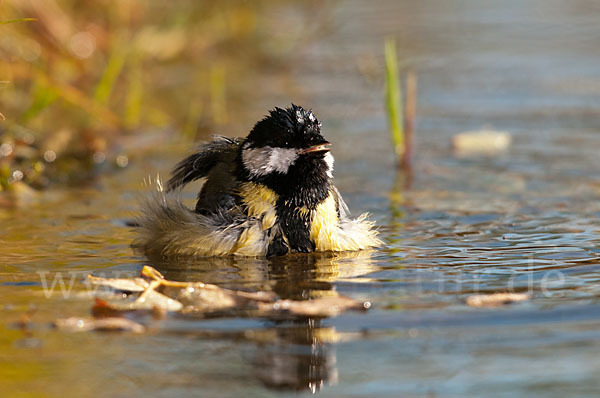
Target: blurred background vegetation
83, 80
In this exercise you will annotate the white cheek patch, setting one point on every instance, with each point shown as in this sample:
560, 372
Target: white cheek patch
329, 161
263, 161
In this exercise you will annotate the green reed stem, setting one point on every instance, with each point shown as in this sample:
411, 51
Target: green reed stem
393, 97
17, 20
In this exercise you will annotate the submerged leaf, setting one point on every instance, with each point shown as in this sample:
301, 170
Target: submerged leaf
209, 300
320, 307
122, 284
105, 324
152, 299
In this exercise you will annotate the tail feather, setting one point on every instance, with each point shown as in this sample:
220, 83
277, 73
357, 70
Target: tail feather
167, 227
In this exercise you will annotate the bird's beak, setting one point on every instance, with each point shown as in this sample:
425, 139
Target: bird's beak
322, 147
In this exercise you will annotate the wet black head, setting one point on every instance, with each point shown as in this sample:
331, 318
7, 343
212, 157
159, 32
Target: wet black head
293, 127
287, 152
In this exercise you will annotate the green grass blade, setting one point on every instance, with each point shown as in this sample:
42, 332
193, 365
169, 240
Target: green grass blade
135, 93
17, 20
109, 77
42, 97
193, 117
218, 97
393, 97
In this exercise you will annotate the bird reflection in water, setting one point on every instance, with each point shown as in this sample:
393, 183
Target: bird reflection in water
300, 356
293, 353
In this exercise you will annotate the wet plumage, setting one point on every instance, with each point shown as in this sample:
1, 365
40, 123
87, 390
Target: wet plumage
268, 194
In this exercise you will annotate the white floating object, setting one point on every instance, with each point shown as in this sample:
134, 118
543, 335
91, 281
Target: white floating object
495, 299
487, 142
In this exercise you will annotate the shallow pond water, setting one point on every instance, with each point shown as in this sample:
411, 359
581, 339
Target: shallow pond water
525, 220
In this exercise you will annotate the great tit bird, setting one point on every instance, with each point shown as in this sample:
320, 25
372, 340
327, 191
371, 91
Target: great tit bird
266, 195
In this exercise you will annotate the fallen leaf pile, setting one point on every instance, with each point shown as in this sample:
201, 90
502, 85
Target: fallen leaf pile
154, 294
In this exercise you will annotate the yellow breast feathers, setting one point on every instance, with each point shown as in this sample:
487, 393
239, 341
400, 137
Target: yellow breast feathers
260, 202
329, 233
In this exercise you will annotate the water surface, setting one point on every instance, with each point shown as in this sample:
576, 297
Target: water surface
525, 220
